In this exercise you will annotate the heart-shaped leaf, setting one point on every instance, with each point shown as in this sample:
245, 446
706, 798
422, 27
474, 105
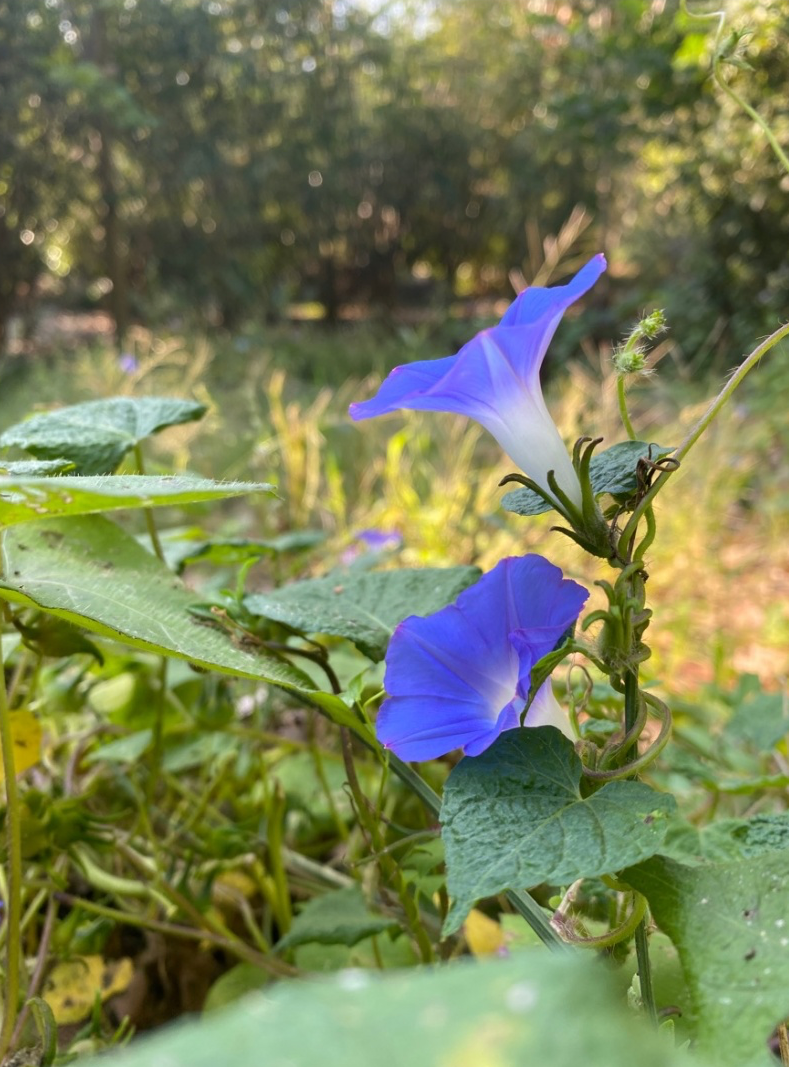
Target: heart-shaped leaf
515, 817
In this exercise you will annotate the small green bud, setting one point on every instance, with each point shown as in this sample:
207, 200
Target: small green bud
653, 324
631, 357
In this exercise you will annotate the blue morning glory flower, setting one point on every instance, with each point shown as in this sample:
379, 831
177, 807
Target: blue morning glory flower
458, 678
495, 379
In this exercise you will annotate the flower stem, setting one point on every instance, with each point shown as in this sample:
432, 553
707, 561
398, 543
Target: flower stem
695, 433
622, 401
14, 901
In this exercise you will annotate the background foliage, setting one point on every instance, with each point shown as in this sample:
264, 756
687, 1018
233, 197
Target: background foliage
218, 161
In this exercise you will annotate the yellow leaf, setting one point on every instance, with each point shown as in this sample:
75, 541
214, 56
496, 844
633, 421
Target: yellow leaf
26, 734
72, 986
484, 936
232, 886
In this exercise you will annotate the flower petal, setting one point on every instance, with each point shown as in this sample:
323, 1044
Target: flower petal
495, 379
404, 388
422, 728
535, 302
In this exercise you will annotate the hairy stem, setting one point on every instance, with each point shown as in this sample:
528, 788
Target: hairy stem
698, 429
632, 707
623, 412
757, 118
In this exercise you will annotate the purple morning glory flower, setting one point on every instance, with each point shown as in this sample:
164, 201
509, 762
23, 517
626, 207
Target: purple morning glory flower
458, 678
375, 540
127, 362
495, 379
379, 540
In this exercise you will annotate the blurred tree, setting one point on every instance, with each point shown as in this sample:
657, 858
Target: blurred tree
217, 160
36, 180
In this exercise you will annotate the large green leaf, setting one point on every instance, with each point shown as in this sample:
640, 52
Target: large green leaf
89, 571
31, 499
535, 1009
337, 918
515, 817
730, 925
364, 606
612, 471
96, 435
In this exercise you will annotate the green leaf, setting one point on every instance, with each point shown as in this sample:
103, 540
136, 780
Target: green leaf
372, 954
514, 817
762, 719
32, 468
90, 572
231, 551
96, 435
536, 1008
612, 471
729, 923
124, 750
234, 984
726, 839
337, 918
364, 606
32, 499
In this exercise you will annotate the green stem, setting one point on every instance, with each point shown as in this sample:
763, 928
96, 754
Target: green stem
157, 749
370, 821
153, 533
720, 16
234, 946
695, 433
757, 118
623, 412
14, 896
632, 708
631, 925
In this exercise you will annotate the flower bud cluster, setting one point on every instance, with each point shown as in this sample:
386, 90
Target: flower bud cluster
631, 357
